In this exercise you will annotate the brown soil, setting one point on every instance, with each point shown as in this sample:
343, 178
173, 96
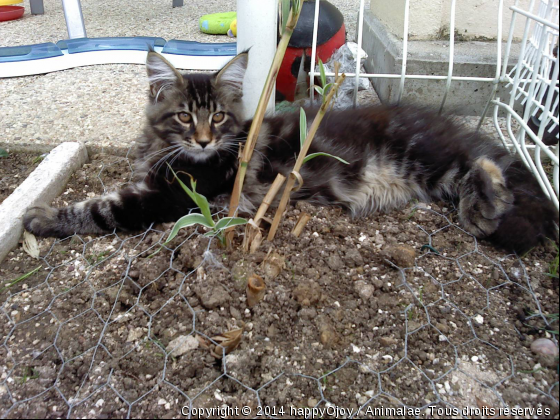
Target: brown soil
14, 168
362, 314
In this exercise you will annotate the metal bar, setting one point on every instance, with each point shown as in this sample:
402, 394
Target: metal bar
37, 7
521, 137
257, 31
314, 52
535, 17
74, 19
451, 54
524, 125
418, 76
404, 50
358, 53
509, 41
498, 62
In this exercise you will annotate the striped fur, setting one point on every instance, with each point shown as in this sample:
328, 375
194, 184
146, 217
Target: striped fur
395, 154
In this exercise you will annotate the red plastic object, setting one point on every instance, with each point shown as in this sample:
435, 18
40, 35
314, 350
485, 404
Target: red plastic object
330, 37
11, 12
287, 75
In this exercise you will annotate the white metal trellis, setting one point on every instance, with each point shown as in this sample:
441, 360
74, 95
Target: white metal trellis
533, 82
535, 74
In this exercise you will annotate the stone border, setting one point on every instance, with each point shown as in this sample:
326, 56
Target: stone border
44, 184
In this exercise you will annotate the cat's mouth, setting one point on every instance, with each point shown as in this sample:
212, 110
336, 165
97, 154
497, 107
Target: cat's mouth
198, 152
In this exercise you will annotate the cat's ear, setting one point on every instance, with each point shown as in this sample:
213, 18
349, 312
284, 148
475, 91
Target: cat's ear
161, 75
230, 78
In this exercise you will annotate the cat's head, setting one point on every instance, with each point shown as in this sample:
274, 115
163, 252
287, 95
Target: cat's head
199, 112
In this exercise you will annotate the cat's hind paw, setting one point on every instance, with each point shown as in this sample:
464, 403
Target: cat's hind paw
43, 221
484, 198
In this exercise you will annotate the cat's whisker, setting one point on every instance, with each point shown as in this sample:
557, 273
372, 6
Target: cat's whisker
157, 152
155, 168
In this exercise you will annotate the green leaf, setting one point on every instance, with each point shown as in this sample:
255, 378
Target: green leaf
302, 126
228, 222
20, 278
322, 70
198, 199
320, 90
431, 248
314, 155
3, 153
185, 221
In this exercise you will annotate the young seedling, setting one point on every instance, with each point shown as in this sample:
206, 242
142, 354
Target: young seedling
15, 281
204, 218
3, 153
303, 157
291, 22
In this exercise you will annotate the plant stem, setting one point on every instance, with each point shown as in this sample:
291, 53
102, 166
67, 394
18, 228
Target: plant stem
302, 153
261, 108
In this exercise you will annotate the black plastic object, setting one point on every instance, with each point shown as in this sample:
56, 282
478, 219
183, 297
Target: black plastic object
330, 22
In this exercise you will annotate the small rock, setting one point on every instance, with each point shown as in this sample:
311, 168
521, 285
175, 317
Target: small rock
307, 293
212, 296
134, 334
442, 327
387, 341
234, 312
327, 336
402, 255
364, 290
545, 347
353, 258
413, 325
335, 262
273, 265
182, 345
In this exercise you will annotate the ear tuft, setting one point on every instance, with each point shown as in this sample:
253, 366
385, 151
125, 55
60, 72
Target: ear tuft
230, 78
161, 75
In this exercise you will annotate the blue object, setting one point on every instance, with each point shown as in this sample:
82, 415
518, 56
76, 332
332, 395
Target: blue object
179, 47
29, 52
138, 43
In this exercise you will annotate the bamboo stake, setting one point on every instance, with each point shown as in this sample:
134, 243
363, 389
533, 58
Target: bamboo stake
261, 107
269, 197
302, 221
294, 175
253, 236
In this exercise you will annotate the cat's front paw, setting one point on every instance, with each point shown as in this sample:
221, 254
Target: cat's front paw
42, 220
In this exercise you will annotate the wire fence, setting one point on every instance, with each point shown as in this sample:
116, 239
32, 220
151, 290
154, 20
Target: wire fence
93, 337
97, 342
532, 83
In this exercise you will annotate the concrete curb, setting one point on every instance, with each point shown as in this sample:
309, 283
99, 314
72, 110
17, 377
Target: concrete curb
44, 184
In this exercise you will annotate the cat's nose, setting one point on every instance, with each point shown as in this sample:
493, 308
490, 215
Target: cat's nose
203, 143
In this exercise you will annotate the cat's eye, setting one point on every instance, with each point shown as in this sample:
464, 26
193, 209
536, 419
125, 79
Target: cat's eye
218, 117
185, 117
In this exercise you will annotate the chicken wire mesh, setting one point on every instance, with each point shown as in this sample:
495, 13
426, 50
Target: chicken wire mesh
76, 348
84, 341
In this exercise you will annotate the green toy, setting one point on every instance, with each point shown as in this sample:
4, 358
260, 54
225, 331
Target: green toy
217, 23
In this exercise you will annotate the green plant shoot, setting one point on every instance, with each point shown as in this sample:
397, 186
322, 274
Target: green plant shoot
204, 218
303, 136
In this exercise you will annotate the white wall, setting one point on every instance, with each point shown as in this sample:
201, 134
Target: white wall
429, 19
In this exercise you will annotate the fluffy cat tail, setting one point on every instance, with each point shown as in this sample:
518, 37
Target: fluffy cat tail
506, 206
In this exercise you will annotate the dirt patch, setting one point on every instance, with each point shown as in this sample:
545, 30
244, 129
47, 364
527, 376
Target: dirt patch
14, 168
397, 310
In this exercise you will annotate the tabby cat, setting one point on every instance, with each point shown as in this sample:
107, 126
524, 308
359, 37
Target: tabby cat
395, 154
